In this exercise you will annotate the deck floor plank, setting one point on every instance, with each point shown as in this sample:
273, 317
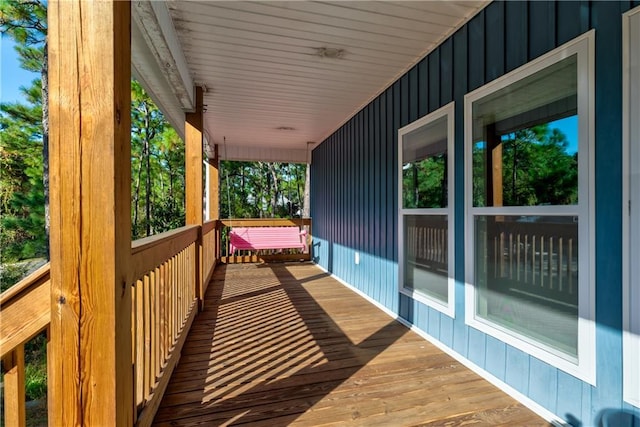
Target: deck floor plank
285, 344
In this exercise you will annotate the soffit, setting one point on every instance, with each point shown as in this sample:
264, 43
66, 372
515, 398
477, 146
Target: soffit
269, 89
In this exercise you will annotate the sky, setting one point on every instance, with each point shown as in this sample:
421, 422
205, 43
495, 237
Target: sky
11, 75
569, 127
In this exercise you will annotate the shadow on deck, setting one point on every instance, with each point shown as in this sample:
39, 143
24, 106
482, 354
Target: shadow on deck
282, 344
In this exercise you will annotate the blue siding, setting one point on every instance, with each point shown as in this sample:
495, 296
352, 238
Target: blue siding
496, 353
517, 26
606, 19
460, 50
434, 80
354, 190
543, 384
446, 72
475, 51
494, 37
569, 404
542, 28
518, 365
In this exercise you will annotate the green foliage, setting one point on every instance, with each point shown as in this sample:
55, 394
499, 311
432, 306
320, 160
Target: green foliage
36, 367
24, 20
261, 190
157, 169
22, 233
424, 183
10, 274
537, 169
22, 173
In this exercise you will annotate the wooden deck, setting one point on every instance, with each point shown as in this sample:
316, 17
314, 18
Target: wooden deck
285, 344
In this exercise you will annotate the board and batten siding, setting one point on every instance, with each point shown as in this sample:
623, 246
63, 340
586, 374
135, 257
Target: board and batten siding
354, 191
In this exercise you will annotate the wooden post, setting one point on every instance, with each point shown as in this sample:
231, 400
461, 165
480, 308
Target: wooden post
213, 166
214, 185
194, 190
91, 379
494, 167
14, 388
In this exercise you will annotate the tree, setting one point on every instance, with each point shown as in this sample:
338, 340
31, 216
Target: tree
157, 168
537, 168
262, 190
26, 22
424, 182
22, 233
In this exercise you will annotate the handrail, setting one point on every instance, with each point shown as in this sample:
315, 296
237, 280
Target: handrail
26, 309
149, 252
36, 275
209, 225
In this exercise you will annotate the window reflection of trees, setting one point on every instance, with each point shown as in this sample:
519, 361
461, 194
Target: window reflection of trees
537, 169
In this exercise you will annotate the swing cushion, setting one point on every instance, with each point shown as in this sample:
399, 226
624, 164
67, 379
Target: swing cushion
256, 238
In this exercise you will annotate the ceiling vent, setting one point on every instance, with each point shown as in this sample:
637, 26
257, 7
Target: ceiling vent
329, 52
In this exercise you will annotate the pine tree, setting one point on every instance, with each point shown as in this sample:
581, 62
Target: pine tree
22, 233
26, 22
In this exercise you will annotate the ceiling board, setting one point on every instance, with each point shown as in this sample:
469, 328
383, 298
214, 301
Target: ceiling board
259, 62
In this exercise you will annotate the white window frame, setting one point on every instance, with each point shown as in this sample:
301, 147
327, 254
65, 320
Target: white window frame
583, 367
449, 308
631, 205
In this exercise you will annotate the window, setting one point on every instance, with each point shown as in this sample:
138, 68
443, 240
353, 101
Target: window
631, 205
529, 208
425, 208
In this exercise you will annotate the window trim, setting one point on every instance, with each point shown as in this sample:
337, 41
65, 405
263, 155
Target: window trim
447, 112
584, 367
631, 332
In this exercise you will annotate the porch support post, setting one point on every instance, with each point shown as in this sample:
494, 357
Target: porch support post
194, 190
494, 167
213, 168
91, 381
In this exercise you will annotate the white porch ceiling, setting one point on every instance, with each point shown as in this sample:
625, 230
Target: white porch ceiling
269, 91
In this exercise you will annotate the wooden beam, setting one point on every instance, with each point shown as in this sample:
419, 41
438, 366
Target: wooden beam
214, 199
91, 379
193, 162
213, 166
493, 171
194, 191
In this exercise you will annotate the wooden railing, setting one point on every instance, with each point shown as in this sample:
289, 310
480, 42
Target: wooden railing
539, 258
164, 304
264, 255
427, 243
210, 252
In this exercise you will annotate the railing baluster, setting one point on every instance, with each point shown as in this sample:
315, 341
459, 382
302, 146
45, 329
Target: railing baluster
163, 312
550, 263
14, 387
560, 260
541, 261
526, 258
518, 248
139, 344
147, 337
